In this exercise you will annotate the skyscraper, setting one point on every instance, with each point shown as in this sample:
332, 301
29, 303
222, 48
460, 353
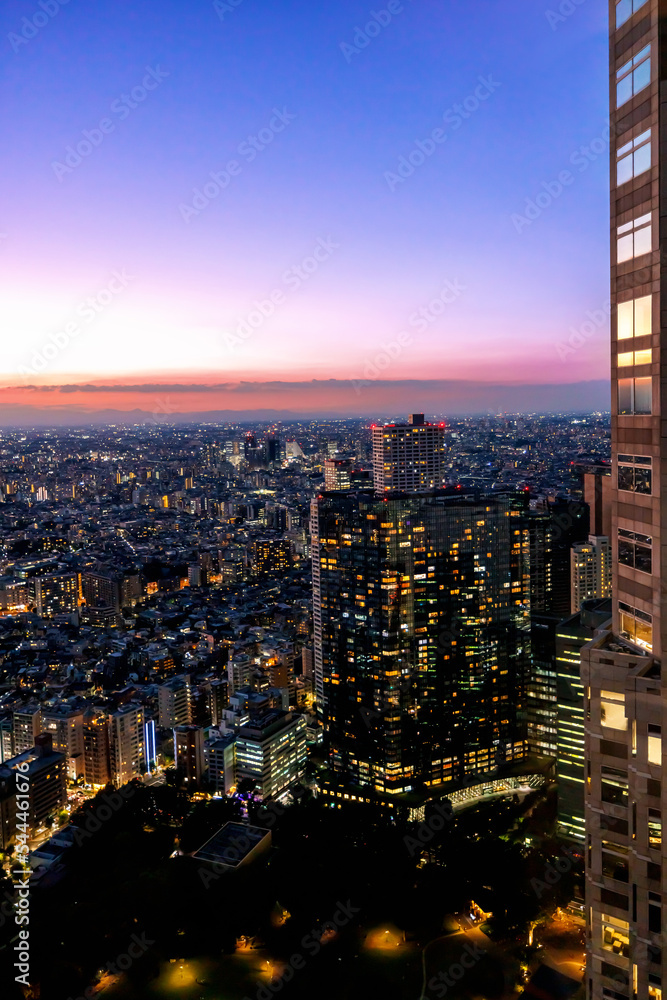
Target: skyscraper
621, 668
422, 643
408, 458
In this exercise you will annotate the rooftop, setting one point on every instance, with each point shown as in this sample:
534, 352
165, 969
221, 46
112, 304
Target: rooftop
233, 844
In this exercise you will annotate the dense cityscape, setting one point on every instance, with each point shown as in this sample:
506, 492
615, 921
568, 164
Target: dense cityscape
229, 654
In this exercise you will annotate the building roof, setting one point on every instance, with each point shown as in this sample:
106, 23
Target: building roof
232, 844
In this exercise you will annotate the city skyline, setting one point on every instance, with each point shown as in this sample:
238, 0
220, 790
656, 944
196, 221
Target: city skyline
331, 524
298, 270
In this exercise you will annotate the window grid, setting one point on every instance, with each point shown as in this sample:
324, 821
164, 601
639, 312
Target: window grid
634, 239
625, 9
633, 77
635, 474
633, 158
627, 359
635, 318
635, 550
635, 396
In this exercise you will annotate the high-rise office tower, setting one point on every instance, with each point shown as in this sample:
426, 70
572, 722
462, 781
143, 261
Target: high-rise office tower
626, 796
590, 567
422, 643
408, 458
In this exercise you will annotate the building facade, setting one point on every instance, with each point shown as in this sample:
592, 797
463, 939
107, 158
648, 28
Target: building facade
590, 570
56, 594
626, 796
127, 744
189, 755
337, 474
96, 748
27, 725
422, 638
221, 758
571, 635
45, 773
175, 703
408, 458
271, 751
65, 725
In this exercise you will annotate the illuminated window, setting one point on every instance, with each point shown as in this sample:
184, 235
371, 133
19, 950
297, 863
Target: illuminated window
655, 745
625, 9
635, 396
654, 828
612, 710
636, 625
616, 935
635, 317
629, 358
633, 77
634, 238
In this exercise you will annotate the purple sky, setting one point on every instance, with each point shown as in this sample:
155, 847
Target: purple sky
332, 251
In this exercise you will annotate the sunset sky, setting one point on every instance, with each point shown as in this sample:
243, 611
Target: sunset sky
117, 272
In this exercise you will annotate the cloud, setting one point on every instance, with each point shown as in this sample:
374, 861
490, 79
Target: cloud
285, 400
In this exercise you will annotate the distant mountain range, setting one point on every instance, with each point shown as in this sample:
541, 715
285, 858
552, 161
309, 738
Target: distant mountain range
338, 398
